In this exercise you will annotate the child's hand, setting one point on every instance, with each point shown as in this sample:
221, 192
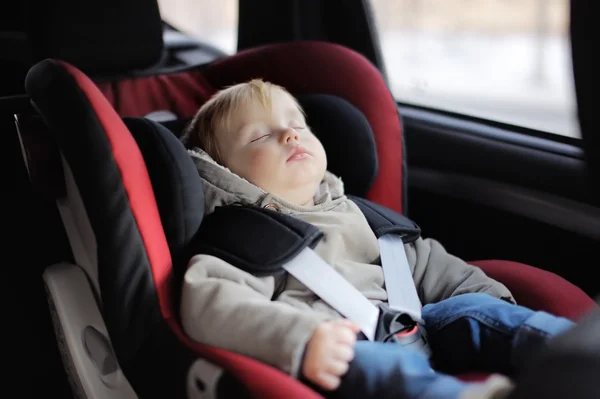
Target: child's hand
328, 353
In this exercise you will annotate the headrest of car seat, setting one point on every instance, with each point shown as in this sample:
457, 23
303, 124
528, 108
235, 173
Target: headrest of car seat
175, 181
347, 138
100, 38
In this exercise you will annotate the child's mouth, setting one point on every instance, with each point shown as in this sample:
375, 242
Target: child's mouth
297, 154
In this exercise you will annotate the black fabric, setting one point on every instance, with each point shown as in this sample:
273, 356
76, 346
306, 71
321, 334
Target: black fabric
258, 241
34, 239
584, 26
176, 183
99, 37
176, 126
385, 221
348, 23
347, 138
129, 299
15, 57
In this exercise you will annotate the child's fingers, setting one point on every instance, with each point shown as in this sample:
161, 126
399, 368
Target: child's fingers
327, 381
349, 324
344, 353
345, 336
336, 367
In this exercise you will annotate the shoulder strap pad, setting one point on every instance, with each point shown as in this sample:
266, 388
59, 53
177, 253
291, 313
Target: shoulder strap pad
256, 240
386, 221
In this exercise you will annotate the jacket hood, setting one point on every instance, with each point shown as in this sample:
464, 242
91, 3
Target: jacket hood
223, 187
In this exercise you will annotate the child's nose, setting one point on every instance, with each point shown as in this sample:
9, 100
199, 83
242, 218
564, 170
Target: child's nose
289, 136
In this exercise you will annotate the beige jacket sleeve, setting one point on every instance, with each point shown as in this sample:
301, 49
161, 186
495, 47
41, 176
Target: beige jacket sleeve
439, 275
226, 307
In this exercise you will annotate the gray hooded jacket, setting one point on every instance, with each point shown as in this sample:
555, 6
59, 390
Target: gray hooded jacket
226, 307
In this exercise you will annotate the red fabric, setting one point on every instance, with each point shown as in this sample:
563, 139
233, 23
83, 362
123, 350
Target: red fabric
539, 289
181, 93
317, 67
262, 380
137, 185
474, 376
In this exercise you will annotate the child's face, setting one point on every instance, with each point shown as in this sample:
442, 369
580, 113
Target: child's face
274, 149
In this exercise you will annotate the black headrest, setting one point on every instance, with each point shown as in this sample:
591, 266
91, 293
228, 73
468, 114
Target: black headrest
176, 184
347, 138
99, 37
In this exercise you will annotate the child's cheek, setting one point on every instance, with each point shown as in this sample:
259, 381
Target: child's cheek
262, 157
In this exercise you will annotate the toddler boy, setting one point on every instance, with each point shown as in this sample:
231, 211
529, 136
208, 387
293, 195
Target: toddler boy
252, 146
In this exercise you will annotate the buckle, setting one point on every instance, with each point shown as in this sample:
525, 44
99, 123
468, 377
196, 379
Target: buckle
403, 330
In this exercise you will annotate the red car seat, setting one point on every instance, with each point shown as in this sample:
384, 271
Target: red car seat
118, 236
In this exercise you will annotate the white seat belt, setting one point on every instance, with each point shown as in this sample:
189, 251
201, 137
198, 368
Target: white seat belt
399, 283
312, 271
331, 287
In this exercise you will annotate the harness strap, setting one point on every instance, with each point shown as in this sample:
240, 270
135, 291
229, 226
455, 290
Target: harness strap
312, 271
399, 283
325, 282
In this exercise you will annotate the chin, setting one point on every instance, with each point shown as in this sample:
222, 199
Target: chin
306, 178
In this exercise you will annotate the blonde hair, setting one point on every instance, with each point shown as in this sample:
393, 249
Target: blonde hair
216, 113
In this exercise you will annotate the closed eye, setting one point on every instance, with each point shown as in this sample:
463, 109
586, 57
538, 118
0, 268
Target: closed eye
261, 137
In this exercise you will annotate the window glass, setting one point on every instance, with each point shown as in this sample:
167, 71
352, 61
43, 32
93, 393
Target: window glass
212, 21
502, 60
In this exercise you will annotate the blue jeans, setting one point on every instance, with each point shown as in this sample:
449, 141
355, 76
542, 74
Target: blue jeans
469, 332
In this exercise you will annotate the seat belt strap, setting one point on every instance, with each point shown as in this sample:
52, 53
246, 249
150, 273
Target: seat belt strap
322, 279
312, 271
399, 283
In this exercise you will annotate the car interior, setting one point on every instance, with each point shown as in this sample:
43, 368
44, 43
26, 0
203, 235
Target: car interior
103, 201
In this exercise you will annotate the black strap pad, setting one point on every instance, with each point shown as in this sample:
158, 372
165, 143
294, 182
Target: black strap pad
260, 241
257, 240
386, 221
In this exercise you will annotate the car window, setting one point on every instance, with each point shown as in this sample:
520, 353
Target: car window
502, 60
212, 21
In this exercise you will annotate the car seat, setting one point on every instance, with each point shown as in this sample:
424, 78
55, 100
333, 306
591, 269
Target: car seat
121, 293
180, 92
